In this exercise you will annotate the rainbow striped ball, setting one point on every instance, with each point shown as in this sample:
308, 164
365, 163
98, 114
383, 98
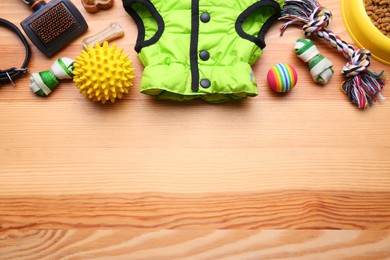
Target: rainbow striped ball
282, 77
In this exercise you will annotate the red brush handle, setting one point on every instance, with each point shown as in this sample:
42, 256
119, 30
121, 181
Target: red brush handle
35, 5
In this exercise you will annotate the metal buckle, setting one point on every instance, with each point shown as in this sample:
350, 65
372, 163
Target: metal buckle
24, 70
10, 79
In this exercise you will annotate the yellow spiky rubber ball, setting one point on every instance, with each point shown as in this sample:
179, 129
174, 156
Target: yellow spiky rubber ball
103, 73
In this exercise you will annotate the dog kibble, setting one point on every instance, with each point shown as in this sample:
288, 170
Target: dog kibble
379, 13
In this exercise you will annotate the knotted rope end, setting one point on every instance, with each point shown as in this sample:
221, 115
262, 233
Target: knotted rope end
364, 88
319, 20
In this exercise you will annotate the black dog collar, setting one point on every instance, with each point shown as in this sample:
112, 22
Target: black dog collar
12, 74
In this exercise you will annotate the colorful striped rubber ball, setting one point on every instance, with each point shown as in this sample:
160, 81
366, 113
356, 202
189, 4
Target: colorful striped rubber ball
282, 77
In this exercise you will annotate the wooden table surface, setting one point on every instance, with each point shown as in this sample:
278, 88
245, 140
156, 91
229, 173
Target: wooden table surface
300, 176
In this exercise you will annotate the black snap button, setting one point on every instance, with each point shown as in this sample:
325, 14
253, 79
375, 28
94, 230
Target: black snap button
204, 55
205, 83
205, 17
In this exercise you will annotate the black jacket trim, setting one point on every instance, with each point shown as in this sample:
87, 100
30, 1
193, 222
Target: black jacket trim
141, 42
259, 40
194, 45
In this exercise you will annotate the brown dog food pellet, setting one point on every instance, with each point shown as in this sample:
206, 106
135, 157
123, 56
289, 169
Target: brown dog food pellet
379, 13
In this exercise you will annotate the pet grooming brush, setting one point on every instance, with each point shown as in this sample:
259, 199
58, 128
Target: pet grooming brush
53, 25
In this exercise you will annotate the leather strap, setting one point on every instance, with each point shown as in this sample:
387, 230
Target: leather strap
12, 74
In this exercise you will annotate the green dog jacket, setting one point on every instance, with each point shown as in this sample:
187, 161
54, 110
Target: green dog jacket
201, 48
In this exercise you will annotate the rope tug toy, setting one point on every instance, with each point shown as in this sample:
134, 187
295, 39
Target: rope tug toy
362, 85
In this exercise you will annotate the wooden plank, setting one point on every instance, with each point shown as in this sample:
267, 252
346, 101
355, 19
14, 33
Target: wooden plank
195, 244
290, 209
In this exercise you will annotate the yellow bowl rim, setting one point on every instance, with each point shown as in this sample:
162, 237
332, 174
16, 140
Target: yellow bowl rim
356, 7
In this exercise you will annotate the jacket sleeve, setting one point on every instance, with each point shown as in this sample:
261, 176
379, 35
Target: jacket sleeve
253, 23
149, 22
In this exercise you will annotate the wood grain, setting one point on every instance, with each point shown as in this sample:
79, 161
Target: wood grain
195, 244
300, 176
277, 210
